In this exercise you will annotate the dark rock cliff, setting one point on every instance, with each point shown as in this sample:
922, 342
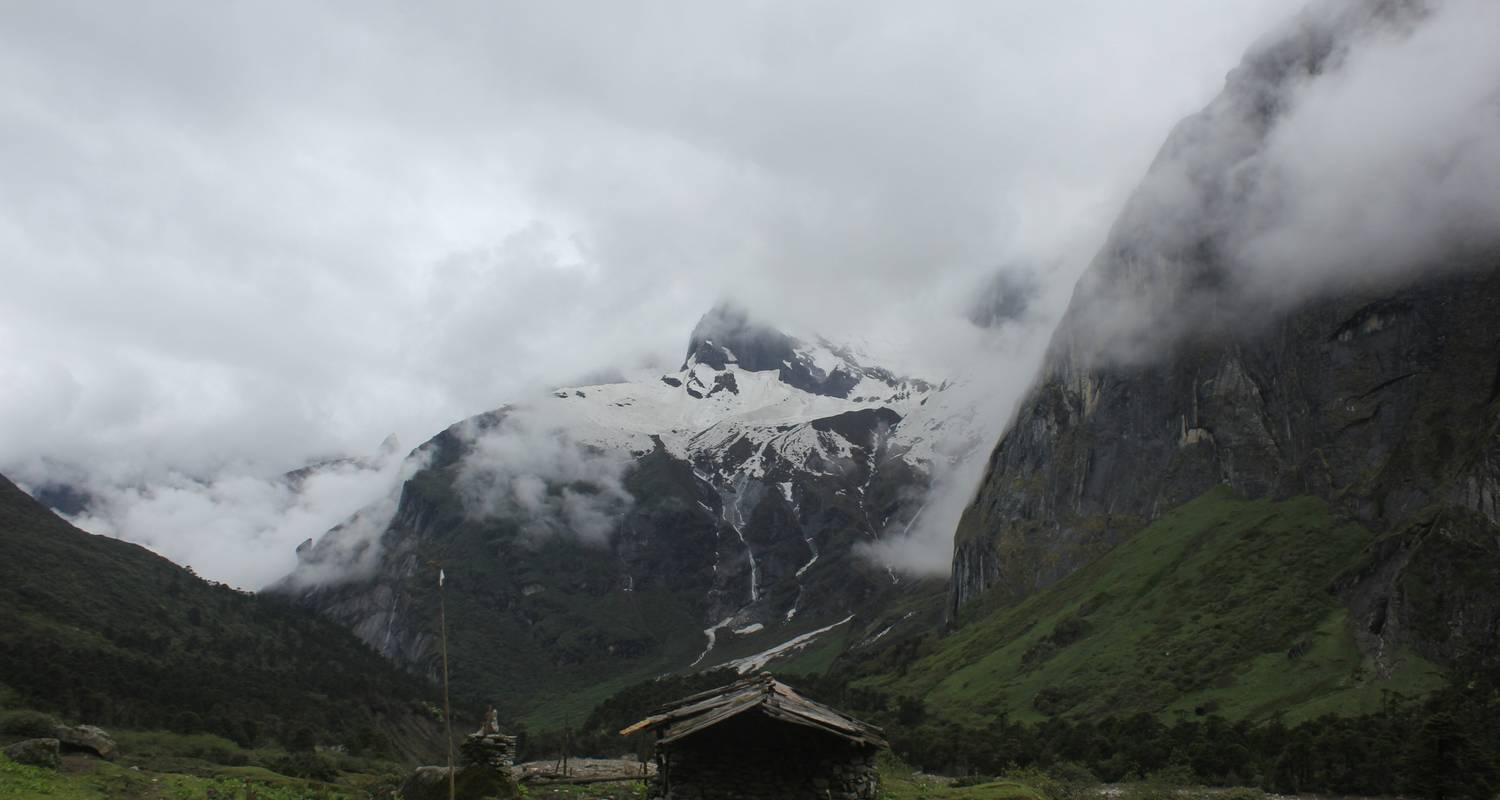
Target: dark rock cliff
1166, 378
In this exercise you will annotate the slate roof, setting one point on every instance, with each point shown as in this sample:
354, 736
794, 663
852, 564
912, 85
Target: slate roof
762, 694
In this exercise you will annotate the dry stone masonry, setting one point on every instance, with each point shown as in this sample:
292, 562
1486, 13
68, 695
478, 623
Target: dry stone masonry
488, 747
753, 758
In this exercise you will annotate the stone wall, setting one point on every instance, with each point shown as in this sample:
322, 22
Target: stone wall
754, 758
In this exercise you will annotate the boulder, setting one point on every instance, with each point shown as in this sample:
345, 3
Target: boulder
474, 782
36, 752
85, 738
426, 782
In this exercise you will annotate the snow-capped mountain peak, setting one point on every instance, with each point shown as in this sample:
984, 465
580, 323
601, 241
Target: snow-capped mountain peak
745, 489
743, 385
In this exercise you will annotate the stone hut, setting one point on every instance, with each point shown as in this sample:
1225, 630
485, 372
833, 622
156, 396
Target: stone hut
756, 738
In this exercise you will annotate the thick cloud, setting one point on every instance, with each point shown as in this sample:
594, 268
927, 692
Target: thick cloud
245, 528
240, 236
529, 468
1356, 146
977, 407
1387, 164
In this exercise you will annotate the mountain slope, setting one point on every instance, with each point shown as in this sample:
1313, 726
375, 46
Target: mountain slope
610, 533
108, 632
1164, 380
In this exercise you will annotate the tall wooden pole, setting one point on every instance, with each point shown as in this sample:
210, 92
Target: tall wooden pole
447, 709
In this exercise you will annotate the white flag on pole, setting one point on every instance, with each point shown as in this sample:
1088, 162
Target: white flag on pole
440, 579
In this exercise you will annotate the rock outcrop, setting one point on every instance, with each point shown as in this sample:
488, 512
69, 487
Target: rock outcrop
86, 739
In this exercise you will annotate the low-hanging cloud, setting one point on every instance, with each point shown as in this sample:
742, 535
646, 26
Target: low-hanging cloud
1355, 147
528, 468
976, 408
353, 549
243, 529
1385, 166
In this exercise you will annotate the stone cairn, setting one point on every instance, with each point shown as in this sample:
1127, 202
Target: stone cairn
489, 747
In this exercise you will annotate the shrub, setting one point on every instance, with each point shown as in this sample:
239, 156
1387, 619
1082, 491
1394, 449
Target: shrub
1063, 781
26, 723
306, 765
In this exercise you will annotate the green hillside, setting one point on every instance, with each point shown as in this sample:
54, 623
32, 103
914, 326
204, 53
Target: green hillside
103, 631
1223, 606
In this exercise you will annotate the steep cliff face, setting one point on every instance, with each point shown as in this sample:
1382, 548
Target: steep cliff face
1169, 376
1384, 405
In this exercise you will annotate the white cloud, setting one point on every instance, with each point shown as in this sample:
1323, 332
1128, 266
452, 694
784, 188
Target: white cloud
1387, 165
529, 469
237, 237
244, 530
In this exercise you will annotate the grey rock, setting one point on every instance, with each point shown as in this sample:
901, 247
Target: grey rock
473, 782
35, 752
86, 738
426, 782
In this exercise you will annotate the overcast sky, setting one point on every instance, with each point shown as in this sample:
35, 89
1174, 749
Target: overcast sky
238, 236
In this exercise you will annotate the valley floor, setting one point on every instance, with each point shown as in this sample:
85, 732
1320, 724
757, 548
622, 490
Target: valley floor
86, 778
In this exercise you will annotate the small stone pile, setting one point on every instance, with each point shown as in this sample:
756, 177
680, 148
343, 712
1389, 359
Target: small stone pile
489, 747
487, 759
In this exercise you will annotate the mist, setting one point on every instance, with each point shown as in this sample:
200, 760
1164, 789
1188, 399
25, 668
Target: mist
528, 469
245, 530
1354, 148
1008, 349
1386, 166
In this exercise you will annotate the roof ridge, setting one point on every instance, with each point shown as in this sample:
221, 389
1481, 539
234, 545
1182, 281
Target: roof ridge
776, 699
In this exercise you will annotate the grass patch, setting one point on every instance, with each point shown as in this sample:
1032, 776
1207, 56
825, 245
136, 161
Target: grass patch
101, 780
817, 656
1221, 606
927, 787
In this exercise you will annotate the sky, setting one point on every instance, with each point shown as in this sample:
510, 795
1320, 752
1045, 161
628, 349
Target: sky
236, 238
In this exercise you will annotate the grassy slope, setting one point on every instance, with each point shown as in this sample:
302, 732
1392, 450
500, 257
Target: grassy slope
104, 631
90, 779
1221, 605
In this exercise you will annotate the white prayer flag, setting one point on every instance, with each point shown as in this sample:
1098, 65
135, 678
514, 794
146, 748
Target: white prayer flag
440, 579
